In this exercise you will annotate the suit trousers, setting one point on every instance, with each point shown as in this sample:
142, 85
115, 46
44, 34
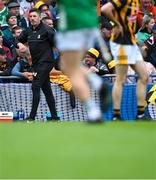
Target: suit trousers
42, 81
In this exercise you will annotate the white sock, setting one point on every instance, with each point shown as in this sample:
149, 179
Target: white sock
93, 110
95, 81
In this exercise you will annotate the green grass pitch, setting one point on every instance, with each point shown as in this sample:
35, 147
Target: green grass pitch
77, 150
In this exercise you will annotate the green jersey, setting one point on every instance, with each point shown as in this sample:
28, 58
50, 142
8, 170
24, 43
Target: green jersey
77, 14
3, 15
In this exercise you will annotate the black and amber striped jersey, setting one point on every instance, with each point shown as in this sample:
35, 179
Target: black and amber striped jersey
126, 13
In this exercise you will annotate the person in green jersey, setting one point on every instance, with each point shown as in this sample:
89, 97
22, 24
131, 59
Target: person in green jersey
77, 33
126, 52
3, 13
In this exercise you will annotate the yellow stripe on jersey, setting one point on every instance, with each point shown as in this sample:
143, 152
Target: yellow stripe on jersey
118, 3
131, 24
126, 14
123, 15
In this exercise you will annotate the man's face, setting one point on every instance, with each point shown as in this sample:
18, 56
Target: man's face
17, 32
106, 33
34, 18
14, 10
49, 22
89, 61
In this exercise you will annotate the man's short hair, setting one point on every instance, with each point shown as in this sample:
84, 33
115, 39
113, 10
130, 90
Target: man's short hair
47, 18
107, 25
34, 10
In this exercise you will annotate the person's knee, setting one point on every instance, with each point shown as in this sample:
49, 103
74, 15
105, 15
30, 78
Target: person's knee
68, 71
120, 81
144, 78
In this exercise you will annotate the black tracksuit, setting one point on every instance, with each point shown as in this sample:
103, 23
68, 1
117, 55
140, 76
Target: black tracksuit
40, 41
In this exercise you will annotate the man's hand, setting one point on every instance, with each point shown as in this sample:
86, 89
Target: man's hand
108, 9
117, 30
93, 69
28, 75
22, 48
144, 51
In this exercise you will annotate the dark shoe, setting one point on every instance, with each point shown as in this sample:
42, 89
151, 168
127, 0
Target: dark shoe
54, 119
105, 97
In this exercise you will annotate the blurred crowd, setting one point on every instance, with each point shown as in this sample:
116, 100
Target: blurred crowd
14, 18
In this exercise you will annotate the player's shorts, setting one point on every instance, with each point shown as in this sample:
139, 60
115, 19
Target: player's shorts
125, 54
75, 40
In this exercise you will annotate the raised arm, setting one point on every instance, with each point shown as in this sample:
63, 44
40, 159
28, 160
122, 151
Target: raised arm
108, 10
21, 40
